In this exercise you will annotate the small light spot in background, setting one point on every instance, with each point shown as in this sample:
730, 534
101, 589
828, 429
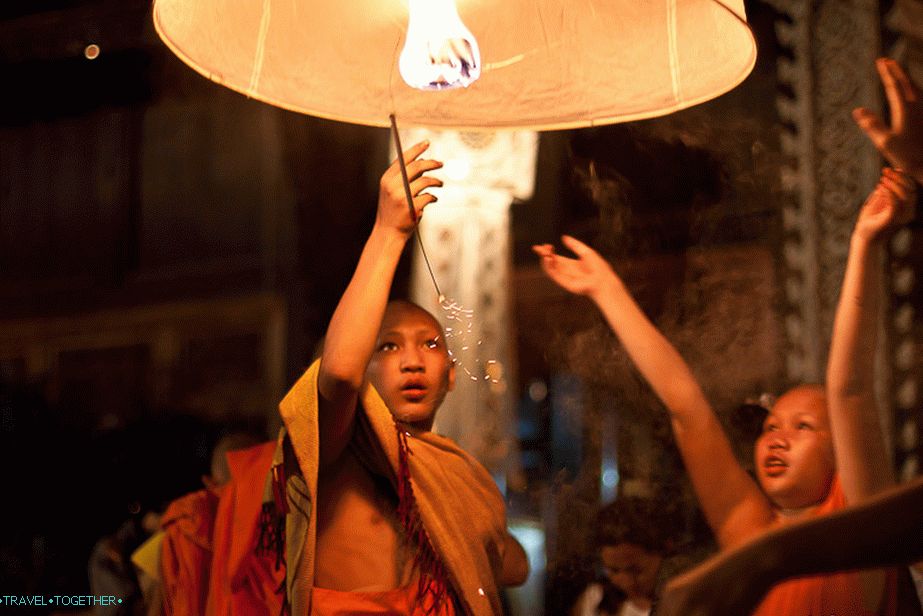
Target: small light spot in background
538, 391
91, 51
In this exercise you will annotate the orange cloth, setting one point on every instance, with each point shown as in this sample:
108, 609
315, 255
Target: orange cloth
241, 582
185, 557
208, 561
398, 602
838, 594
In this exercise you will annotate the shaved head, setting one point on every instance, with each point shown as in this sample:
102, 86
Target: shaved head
411, 367
399, 309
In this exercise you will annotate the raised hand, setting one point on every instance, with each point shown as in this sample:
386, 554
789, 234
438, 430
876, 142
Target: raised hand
393, 212
889, 206
587, 275
901, 143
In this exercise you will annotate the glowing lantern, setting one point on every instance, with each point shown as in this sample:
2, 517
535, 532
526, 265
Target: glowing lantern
544, 64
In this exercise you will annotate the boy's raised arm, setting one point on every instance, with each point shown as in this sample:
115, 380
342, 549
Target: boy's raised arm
733, 504
353, 329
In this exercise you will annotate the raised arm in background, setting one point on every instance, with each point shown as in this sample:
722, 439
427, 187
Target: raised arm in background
861, 456
854, 416
731, 500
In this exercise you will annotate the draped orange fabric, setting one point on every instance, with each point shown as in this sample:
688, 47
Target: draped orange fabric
823, 595
242, 583
398, 602
187, 552
208, 561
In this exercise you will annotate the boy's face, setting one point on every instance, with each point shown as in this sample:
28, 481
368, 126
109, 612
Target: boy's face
631, 568
410, 366
794, 454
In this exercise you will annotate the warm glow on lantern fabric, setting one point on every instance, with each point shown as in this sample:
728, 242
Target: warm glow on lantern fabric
545, 63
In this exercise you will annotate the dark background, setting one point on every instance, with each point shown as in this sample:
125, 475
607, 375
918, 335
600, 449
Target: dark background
170, 253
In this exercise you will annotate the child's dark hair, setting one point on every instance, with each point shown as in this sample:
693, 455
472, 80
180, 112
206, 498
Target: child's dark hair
640, 521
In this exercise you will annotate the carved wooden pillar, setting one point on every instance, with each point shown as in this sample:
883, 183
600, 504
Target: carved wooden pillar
832, 166
833, 44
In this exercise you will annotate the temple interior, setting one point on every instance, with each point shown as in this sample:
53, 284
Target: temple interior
171, 253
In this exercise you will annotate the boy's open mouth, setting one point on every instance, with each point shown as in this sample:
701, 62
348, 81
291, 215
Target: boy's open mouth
774, 466
413, 390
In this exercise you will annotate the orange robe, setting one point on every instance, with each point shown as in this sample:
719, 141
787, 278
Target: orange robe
241, 582
825, 595
209, 563
398, 602
185, 557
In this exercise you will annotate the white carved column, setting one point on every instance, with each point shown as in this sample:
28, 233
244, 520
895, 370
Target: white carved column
466, 236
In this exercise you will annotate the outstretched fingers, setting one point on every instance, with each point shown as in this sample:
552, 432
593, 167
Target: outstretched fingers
543, 250
417, 168
904, 84
422, 183
412, 153
899, 184
576, 246
903, 195
419, 204
413, 163
893, 91
890, 206
422, 199
552, 263
871, 125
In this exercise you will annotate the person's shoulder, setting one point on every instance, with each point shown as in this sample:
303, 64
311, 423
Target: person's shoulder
835, 499
302, 392
191, 507
447, 449
242, 458
459, 464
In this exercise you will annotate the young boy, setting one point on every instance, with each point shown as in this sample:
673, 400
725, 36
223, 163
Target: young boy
387, 517
820, 448
635, 548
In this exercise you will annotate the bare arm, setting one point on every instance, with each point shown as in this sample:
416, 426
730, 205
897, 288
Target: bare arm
861, 455
733, 504
883, 531
353, 329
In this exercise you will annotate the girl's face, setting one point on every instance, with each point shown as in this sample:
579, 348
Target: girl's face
794, 454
